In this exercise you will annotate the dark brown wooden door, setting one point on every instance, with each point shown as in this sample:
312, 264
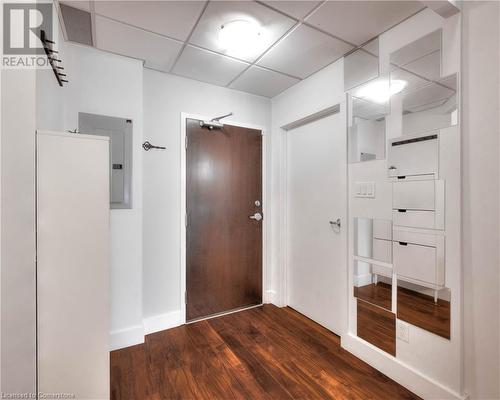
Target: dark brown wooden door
223, 244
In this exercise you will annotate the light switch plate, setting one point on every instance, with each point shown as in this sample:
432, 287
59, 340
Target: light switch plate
364, 189
403, 331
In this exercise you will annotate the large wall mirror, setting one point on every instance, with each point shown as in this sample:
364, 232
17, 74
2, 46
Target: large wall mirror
372, 278
367, 120
428, 101
417, 306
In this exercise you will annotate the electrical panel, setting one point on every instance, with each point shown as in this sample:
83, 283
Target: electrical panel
119, 130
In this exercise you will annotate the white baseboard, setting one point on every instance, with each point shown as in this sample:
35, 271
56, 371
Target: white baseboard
405, 375
161, 322
362, 280
126, 337
269, 296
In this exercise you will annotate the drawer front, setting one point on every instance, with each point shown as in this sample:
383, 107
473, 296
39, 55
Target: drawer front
414, 218
382, 250
409, 158
413, 195
415, 262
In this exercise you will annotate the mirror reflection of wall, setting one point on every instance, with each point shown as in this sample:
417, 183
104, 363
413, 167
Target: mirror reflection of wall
428, 101
416, 306
372, 280
367, 121
373, 239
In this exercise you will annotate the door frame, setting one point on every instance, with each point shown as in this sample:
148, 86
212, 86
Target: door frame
183, 215
282, 297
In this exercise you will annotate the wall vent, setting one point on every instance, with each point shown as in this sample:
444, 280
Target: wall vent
78, 24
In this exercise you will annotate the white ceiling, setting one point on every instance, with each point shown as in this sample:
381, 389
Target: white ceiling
180, 37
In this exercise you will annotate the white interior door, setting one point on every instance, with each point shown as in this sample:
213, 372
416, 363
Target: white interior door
316, 195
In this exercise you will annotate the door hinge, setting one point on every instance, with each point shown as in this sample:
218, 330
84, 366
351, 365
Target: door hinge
185, 220
186, 142
186, 297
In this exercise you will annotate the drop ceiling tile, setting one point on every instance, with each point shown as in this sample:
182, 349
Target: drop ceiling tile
297, 9
82, 5
304, 51
219, 13
359, 21
208, 67
170, 18
263, 82
157, 51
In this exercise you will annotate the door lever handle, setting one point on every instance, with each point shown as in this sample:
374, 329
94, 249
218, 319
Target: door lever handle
336, 223
257, 216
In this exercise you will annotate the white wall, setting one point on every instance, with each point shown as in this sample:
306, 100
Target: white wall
429, 366
318, 92
29, 97
18, 313
165, 97
107, 84
480, 240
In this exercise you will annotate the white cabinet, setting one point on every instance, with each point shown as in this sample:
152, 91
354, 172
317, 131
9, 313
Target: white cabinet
414, 155
72, 179
413, 195
412, 218
418, 203
419, 257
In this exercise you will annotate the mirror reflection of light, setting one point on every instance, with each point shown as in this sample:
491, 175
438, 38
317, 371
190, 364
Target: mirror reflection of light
241, 37
380, 91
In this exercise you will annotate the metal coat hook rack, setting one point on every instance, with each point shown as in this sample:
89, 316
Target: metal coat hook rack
148, 146
48, 47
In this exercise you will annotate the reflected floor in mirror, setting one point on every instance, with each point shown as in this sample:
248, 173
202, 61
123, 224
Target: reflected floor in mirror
377, 326
379, 294
420, 310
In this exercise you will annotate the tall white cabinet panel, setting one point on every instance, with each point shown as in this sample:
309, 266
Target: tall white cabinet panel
72, 264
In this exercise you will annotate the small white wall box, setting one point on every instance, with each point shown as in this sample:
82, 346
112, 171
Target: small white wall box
119, 131
364, 189
419, 257
418, 203
414, 155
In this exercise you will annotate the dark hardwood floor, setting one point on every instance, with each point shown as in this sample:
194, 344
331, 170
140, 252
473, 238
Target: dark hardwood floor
261, 353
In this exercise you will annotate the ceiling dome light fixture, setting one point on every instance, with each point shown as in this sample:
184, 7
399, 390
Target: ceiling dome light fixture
380, 91
240, 37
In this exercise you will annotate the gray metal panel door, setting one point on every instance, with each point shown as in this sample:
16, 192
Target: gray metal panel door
119, 130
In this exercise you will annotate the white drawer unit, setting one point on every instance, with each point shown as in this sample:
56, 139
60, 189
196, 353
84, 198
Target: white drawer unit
418, 203
414, 155
419, 258
415, 219
413, 195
